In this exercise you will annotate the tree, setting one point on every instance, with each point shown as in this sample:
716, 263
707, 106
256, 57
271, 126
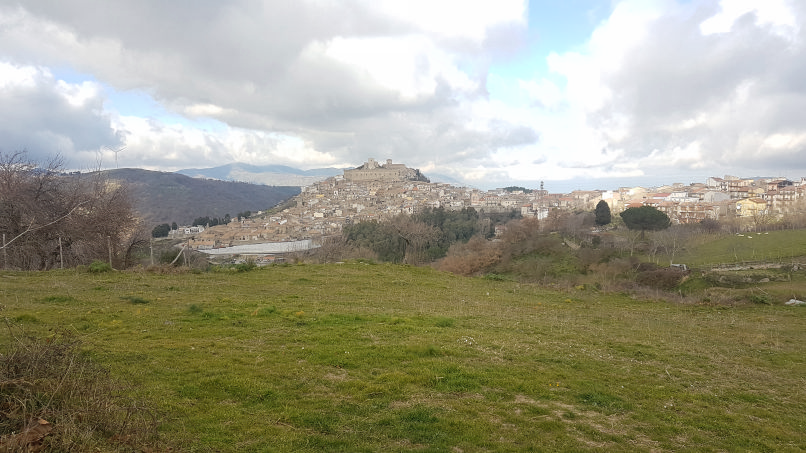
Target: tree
161, 231
645, 218
378, 237
602, 213
174, 226
416, 236
50, 219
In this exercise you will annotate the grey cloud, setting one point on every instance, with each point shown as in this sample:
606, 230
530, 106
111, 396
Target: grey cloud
247, 57
40, 120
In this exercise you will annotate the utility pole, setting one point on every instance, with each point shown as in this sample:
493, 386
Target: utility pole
5, 252
109, 243
61, 255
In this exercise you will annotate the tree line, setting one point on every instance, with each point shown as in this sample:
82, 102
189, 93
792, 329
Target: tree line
420, 238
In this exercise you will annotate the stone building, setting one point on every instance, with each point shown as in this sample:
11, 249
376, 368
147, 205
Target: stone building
373, 171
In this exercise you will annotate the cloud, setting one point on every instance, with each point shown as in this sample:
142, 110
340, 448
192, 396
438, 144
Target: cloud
707, 87
45, 116
340, 80
658, 87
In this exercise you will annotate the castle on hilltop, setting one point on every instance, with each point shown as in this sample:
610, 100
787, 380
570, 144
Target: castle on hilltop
373, 171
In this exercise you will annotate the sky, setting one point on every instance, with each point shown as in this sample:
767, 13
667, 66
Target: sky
577, 93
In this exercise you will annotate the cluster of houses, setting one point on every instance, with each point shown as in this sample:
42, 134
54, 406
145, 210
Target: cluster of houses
322, 209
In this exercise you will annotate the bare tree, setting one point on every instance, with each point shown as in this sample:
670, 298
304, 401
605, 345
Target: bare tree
49, 218
416, 235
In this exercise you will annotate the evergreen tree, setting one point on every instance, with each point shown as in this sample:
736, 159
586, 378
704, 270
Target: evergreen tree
602, 213
645, 218
161, 231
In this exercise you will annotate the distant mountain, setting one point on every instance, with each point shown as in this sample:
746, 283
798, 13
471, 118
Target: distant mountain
162, 197
445, 179
276, 175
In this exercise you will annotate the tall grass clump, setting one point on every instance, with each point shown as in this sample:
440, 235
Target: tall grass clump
54, 398
98, 267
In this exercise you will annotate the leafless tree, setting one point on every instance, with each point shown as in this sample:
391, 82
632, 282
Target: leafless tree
416, 235
50, 219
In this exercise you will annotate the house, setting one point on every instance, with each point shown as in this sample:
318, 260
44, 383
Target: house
697, 212
751, 207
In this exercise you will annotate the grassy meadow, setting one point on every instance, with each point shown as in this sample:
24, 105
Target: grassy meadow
374, 357
776, 246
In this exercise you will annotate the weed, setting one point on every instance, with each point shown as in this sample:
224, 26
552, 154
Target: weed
264, 311
56, 399
135, 300
195, 309
26, 318
246, 266
59, 299
98, 267
445, 322
760, 298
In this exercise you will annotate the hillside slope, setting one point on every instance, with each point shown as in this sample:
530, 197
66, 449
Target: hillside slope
162, 197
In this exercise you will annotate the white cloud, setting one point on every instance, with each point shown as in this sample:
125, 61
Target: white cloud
465, 19
659, 86
411, 65
674, 88
774, 13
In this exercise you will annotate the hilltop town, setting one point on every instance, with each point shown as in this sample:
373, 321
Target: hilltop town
377, 191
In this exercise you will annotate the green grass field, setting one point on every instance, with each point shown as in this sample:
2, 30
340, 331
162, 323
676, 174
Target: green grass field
781, 246
363, 357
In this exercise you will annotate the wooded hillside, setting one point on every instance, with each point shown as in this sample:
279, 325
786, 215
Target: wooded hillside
170, 197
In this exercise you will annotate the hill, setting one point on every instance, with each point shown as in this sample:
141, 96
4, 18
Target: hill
163, 197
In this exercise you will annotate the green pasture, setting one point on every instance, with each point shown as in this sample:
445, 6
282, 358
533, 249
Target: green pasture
361, 357
780, 246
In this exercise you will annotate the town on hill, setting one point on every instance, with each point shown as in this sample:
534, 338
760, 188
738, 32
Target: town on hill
376, 191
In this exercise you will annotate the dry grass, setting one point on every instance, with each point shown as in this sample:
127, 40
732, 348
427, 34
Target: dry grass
54, 398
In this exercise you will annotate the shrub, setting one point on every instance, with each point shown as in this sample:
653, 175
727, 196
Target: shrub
170, 257
98, 267
470, 258
760, 298
246, 266
660, 278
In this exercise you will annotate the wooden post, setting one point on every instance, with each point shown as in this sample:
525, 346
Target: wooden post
151, 246
5, 252
109, 243
61, 255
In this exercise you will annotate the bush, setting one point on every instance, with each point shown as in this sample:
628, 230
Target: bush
663, 278
471, 258
98, 267
246, 266
168, 257
760, 298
